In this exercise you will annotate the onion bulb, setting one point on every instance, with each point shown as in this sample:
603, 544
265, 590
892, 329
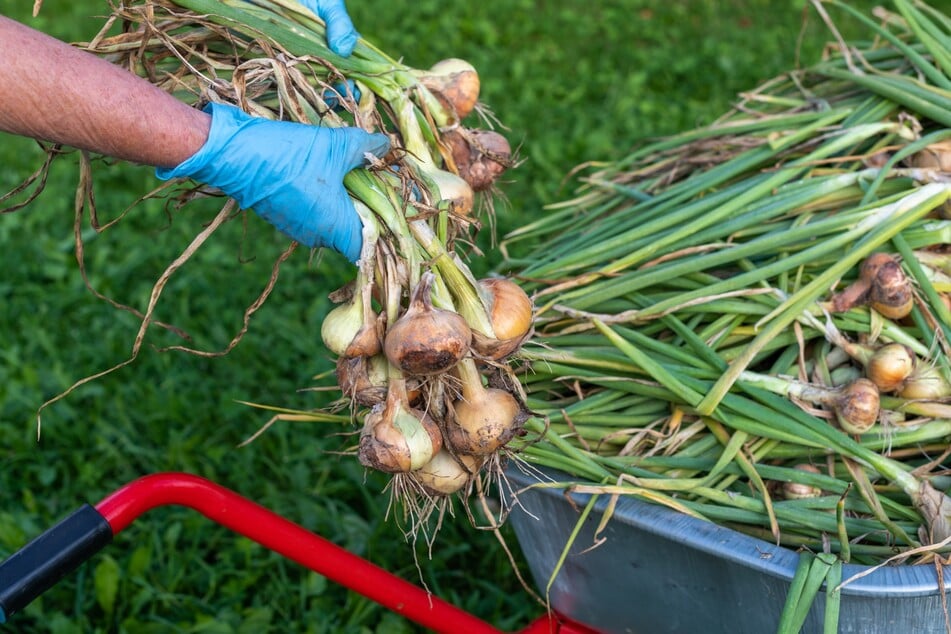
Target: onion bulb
936, 156
350, 328
445, 473
890, 291
857, 406
397, 438
353, 379
455, 83
882, 284
925, 384
426, 340
510, 312
889, 366
799, 490
483, 419
479, 156
450, 188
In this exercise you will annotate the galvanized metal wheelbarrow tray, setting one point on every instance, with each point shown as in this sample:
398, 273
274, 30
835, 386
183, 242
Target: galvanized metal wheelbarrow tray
660, 571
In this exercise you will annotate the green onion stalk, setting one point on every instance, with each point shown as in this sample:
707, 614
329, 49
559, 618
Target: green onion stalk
717, 310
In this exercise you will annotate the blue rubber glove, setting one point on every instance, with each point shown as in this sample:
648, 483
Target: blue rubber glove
341, 36
290, 174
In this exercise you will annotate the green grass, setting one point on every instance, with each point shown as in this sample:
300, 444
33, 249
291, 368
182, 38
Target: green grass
573, 82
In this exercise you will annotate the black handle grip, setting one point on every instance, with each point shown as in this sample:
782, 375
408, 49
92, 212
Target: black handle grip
36, 567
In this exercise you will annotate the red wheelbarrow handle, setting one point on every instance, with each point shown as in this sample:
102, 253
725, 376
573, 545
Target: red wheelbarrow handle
36, 567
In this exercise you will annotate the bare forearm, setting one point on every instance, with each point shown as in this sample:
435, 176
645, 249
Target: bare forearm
54, 92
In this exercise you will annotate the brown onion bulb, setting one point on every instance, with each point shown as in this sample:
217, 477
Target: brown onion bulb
454, 82
798, 490
479, 156
426, 340
890, 365
925, 384
446, 474
484, 419
510, 313
890, 290
397, 438
936, 156
857, 406
356, 381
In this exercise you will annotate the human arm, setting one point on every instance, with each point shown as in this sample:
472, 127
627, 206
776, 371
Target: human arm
290, 174
55, 92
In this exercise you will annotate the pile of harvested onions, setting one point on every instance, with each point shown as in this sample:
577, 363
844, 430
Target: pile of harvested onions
423, 347
752, 324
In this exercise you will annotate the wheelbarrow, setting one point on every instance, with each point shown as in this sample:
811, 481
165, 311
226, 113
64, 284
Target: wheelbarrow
37, 566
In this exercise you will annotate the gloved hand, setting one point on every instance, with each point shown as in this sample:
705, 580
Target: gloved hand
290, 174
341, 36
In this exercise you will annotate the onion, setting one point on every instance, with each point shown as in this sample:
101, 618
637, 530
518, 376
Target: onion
857, 406
510, 312
426, 340
397, 438
882, 284
341, 326
799, 490
925, 384
445, 473
479, 156
448, 187
363, 379
455, 83
350, 329
889, 366
936, 156
890, 292
484, 419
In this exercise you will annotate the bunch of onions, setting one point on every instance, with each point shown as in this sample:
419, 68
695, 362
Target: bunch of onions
405, 324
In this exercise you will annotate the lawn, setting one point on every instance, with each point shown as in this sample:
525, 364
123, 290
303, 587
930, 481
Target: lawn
573, 82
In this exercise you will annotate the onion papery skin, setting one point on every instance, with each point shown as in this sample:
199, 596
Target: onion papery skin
426, 340
890, 293
483, 419
936, 156
479, 156
446, 474
483, 427
798, 490
357, 382
455, 82
890, 366
397, 438
341, 325
857, 407
451, 189
925, 384
510, 313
